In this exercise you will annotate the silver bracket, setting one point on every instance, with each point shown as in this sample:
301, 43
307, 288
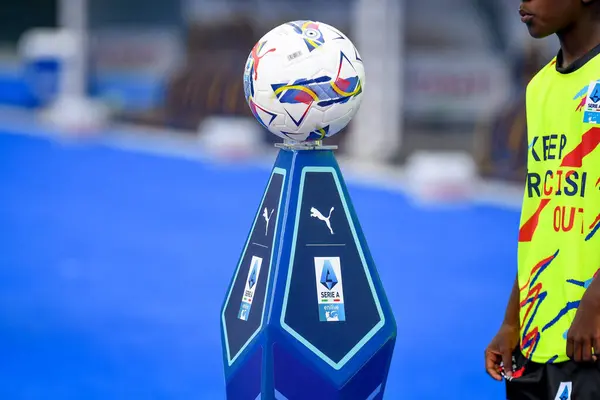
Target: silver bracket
297, 146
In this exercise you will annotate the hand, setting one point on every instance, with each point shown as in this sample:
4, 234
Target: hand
501, 349
583, 337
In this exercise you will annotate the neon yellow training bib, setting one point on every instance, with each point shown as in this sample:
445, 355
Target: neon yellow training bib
559, 236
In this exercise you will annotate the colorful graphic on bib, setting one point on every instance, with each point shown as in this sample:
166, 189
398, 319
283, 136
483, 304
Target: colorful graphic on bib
591, 108
530, 303
582, 97
568, 180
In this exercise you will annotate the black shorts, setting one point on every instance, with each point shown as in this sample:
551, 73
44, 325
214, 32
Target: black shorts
560, 381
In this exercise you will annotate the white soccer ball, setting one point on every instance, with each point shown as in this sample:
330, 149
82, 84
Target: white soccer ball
304, 81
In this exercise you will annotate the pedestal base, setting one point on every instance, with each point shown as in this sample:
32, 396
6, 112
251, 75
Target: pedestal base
306, 316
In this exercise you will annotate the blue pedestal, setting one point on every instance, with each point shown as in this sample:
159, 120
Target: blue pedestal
306, 316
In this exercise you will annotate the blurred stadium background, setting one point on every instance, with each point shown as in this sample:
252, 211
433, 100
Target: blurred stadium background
118, 235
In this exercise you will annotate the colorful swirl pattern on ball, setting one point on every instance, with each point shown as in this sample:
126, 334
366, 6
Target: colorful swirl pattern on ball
313, 37
250, 75
251, 68
323, 90
248, 81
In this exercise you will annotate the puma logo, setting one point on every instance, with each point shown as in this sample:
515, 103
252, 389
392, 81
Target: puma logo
255, 50
317, 214
267, 218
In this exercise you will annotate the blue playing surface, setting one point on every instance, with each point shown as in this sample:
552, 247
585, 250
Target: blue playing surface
114, 264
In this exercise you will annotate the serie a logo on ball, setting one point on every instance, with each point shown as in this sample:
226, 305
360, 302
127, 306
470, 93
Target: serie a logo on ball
304, 81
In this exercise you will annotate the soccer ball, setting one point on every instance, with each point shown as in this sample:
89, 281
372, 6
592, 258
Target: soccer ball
304, 81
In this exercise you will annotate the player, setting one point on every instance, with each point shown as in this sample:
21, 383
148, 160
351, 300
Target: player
549, 341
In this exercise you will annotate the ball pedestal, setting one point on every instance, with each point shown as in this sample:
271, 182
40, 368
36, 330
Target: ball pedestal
305, 315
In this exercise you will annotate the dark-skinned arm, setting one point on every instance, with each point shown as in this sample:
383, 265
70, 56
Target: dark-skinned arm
583, 337
501, 348
511, 316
